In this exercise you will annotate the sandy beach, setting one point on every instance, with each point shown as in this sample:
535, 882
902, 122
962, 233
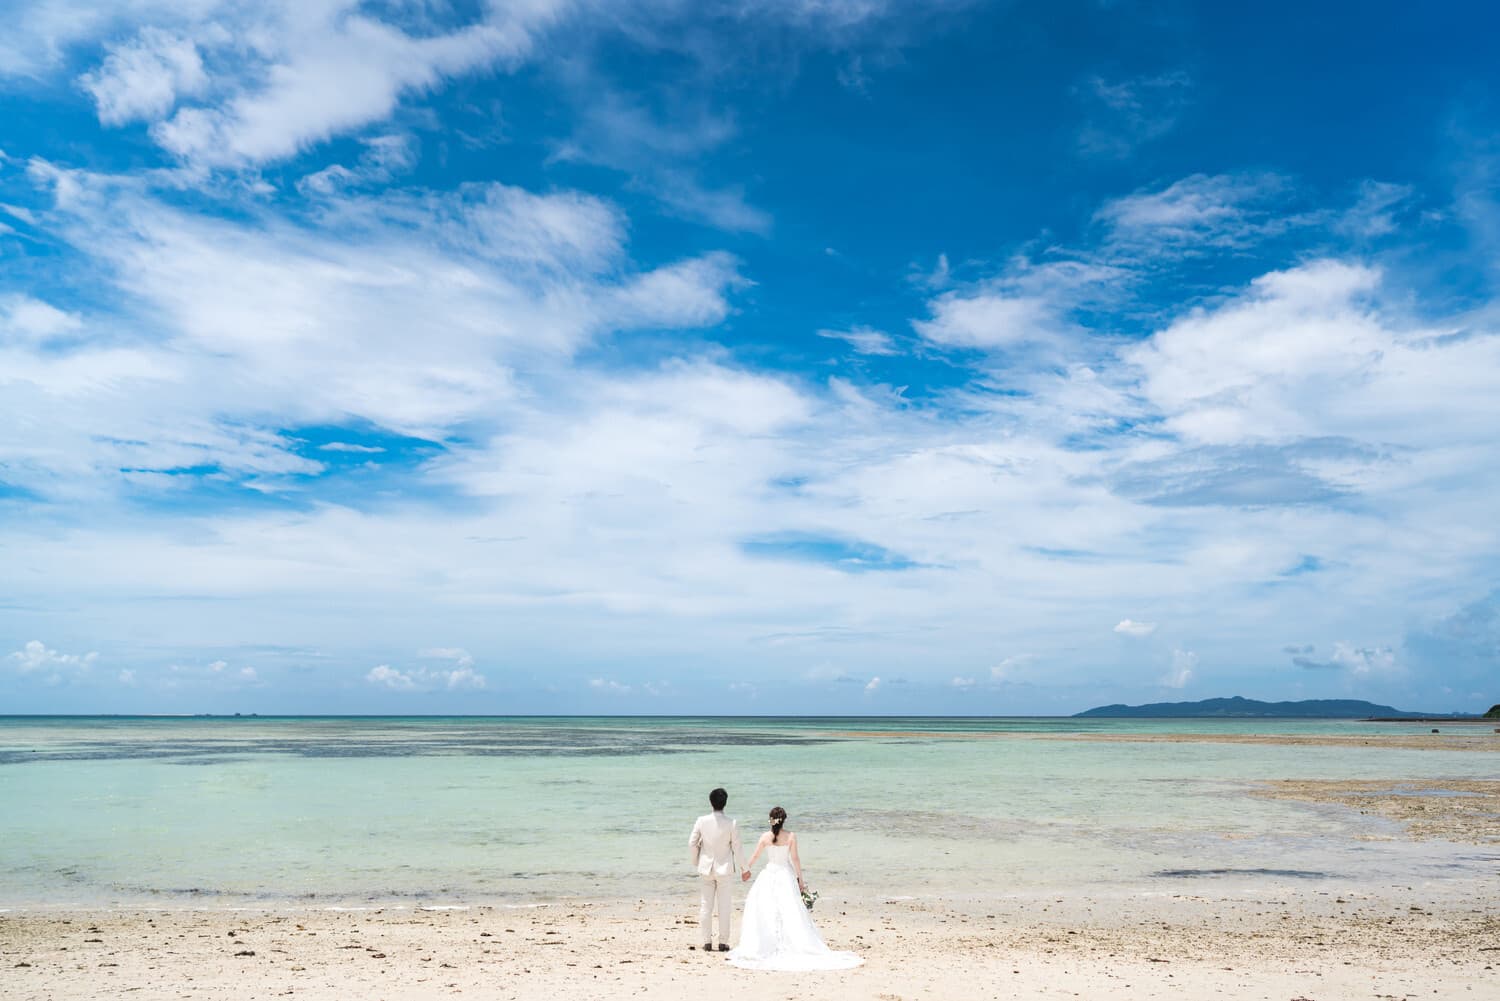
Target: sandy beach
1281, 947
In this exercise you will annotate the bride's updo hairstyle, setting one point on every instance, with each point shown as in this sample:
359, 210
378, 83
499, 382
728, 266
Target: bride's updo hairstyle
778, 817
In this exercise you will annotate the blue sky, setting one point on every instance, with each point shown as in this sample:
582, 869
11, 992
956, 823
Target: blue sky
824, 356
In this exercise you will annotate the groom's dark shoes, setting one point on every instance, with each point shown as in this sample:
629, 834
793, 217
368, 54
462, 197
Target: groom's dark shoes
723, 947
708, 947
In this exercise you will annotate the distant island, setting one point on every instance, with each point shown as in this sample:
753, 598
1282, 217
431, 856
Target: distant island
1238, 706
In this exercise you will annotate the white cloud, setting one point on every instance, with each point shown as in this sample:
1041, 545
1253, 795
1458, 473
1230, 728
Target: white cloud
1303, 353
864, 340
987, 320
40, 32
1184, 665
1365, 662
460, 677
962, 683
609, 686
1028, 305
248, 674
271, 78
873, 686
126, 677
28, 320
1129, 627
388, 677
143, 79
686, 294
325, 70
36, 657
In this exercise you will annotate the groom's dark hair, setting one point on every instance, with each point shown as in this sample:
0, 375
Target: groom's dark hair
718, 798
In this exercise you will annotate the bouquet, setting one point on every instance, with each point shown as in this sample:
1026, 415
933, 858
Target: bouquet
809, 897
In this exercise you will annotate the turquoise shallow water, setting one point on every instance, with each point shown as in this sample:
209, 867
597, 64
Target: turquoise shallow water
452, 811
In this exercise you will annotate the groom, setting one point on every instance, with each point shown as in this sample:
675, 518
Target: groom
716, 851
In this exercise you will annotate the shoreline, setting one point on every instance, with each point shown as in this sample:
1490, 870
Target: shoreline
1289, 944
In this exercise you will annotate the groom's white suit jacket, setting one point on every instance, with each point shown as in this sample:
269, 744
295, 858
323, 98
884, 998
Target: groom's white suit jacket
715, 845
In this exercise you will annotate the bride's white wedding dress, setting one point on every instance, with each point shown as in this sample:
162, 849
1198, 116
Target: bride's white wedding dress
777, 931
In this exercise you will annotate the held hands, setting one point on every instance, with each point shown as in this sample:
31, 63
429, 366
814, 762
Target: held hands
745, 876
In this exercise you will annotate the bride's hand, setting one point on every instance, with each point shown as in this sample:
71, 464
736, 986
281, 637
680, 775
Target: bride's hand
745, 876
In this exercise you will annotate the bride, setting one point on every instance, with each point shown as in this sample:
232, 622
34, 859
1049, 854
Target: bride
777, 932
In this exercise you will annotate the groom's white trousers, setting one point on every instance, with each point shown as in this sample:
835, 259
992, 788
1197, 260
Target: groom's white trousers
716, 889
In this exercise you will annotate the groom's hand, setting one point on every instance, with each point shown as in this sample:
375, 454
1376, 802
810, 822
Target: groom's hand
745, 876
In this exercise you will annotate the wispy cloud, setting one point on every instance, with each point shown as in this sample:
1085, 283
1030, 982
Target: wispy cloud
27, 319
1197, 213
1375, 212
1129, 627
1009, 668
383, 158
661, 154
1124, 114
1184, 667
864, 340
344, 446
1358, 662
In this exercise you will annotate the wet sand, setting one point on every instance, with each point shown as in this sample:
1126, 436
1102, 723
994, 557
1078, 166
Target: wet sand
1466, 811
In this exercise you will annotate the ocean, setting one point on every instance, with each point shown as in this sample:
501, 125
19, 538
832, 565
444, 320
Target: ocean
453, 812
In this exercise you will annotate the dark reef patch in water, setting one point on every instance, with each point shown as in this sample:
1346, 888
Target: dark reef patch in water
523, 743
1195, 873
